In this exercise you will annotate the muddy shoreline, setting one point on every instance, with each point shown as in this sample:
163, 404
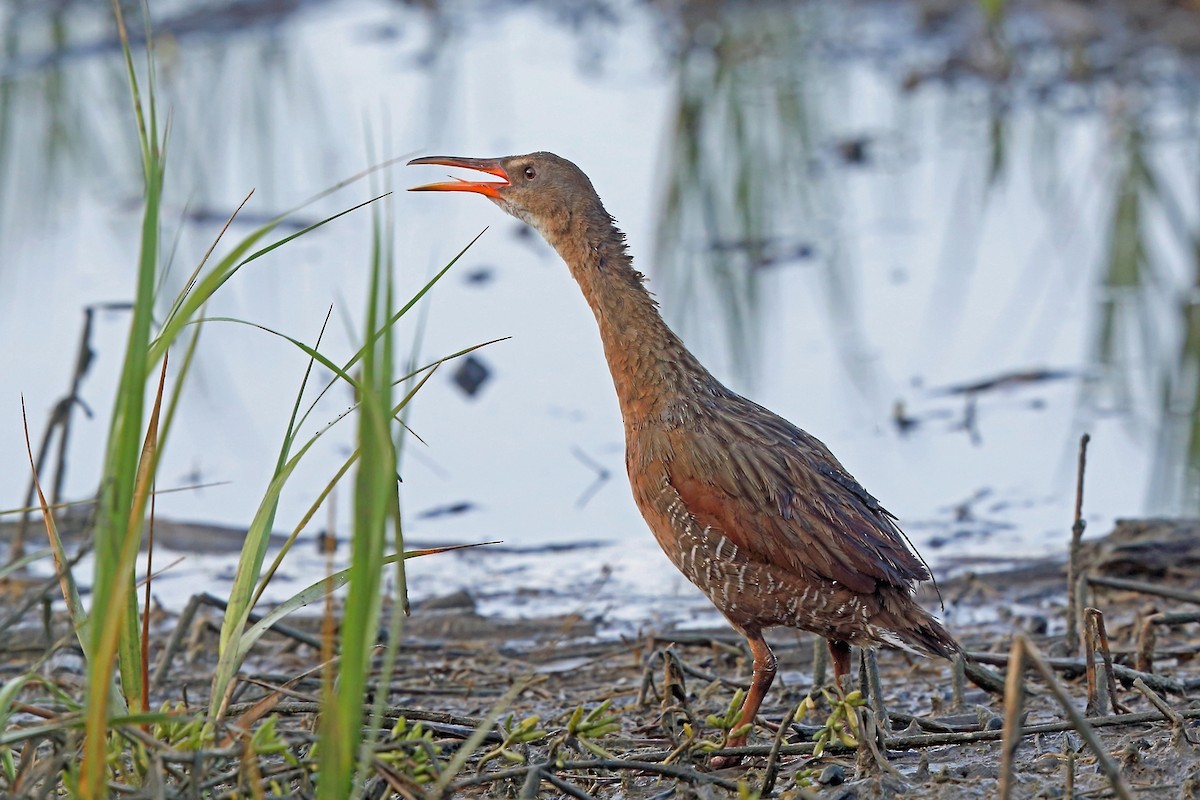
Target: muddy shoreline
459, 669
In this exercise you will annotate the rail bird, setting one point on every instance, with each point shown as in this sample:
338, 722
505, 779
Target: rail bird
756, 512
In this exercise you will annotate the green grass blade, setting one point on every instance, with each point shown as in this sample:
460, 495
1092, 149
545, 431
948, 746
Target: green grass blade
375, 486
116, 526
9, 692
250, 563
323, 587
199, 293
424, 290
118, 637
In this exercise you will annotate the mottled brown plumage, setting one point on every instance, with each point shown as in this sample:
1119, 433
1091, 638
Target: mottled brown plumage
754, 511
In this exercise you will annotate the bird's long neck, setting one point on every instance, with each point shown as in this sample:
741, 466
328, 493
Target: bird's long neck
651, 369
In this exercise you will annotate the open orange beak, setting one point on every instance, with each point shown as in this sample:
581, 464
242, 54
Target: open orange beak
486, 188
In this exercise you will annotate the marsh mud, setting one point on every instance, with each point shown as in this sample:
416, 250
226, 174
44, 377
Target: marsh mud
460, 671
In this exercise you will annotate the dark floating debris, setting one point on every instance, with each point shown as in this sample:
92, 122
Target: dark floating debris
480, 276
1007, 380
906, 421
963, 522
448, 510
382, 32
219, 216
471, 375
766, 252
854, 150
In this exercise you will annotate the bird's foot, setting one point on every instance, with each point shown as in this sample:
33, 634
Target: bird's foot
721, 762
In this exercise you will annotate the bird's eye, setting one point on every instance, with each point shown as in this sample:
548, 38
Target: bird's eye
530, 174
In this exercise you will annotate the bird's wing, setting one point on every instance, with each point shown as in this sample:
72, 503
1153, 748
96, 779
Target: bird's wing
779, 493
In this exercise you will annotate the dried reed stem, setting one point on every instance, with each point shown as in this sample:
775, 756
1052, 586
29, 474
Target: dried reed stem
1073, 606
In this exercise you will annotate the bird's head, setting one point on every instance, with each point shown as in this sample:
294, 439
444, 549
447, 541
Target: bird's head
545, 190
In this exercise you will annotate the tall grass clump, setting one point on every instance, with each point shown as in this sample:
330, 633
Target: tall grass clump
376, 514
120, 509
110, 630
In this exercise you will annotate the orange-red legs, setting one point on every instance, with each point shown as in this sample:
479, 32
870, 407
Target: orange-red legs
765, 666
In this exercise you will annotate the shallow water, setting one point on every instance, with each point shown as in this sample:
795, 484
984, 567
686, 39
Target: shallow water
848, 251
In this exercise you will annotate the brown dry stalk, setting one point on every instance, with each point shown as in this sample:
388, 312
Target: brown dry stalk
1178, 732
870, 663
1030, 652
772, 770
1148, 635
1077, 528
958, 682
1096, 637
1014, 702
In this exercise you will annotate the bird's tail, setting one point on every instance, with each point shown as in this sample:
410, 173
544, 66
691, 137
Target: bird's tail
911, 627
930, 637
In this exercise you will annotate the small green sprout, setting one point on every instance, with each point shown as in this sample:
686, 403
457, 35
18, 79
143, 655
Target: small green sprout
416, 757
267, 740
515, 733
130, 761
184, 730
726, 722
585, 727
841, 724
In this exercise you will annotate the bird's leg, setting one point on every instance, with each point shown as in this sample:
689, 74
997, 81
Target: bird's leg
764, 674
839, 652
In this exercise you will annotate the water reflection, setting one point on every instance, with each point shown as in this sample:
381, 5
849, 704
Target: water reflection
752, 186
894, 197
1146, 339
748, 184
